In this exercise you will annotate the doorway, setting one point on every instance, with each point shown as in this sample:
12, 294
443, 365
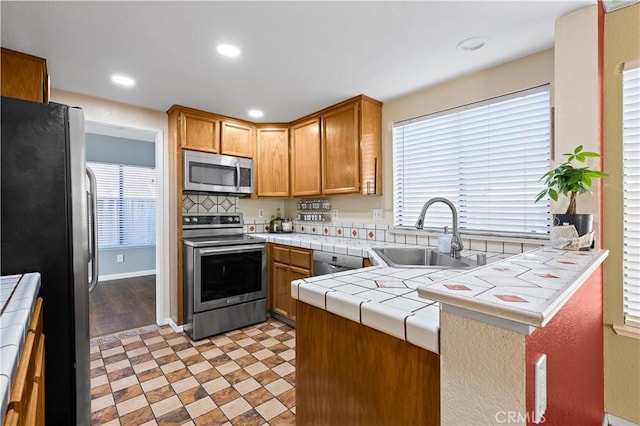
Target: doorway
129, 217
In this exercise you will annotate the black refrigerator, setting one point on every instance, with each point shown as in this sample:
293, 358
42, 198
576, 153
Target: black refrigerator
46, 228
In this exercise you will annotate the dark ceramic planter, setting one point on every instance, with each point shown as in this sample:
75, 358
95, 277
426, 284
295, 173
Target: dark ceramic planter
582, 222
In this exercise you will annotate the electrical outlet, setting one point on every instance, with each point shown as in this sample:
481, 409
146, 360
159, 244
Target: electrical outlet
377, 214
540, 389
120, 258
260, 213
335, 212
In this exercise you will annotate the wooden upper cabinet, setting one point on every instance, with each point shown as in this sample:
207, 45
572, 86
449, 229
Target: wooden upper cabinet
370, 146
24, 76
199, 132
272, 162
237, 139
341, 150
305, 159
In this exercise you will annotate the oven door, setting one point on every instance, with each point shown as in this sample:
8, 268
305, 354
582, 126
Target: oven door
229, 275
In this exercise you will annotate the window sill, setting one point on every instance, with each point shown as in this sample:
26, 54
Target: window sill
626, 330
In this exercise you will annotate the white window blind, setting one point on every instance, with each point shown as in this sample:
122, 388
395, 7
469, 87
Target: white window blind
487, 158
126, 205
631, 195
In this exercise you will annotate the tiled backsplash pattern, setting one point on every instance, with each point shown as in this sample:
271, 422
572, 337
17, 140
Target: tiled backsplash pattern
206, 203
385, 233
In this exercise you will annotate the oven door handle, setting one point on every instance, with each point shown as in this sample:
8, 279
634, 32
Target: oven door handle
233, 249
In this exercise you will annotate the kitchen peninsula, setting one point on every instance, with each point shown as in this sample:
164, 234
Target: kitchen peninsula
450, 346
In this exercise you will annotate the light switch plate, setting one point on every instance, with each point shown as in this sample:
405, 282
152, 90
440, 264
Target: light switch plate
120, 258
335, 212
540, 389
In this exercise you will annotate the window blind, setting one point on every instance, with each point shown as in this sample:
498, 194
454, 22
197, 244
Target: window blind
126, 205
487, 158
631, 195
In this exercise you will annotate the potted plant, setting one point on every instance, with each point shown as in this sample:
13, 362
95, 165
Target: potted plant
571, 181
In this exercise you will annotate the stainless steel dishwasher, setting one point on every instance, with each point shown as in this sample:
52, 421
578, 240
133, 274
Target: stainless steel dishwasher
330, 263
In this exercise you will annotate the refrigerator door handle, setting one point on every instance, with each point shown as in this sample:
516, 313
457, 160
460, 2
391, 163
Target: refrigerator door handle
93, 222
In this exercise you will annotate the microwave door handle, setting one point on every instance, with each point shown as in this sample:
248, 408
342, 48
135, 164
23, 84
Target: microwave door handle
238, 176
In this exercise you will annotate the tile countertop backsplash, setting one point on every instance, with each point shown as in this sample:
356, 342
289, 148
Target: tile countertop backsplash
528, 287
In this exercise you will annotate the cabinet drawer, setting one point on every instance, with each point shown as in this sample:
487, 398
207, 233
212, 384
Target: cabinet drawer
280, 254
36, 320
301, 258
23, 383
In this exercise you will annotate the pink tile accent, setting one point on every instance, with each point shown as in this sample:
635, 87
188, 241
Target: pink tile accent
457, 287
510, 298
339, 231
371, 234
252, 228
547, 276
354, 233
326, 230
266, 228
313, 229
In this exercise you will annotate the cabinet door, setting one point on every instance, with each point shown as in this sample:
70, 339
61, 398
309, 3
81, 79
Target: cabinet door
236, 139
281, 289
305, 159
24, 76
341, 151
199, 132
296, 274
272, 162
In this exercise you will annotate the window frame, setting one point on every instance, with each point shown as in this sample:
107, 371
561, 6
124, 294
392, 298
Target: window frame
545, 205
120, 205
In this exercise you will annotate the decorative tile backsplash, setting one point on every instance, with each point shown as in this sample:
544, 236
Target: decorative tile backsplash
207, 203
384, 233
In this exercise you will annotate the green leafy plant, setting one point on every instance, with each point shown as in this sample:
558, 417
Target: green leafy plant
569, 180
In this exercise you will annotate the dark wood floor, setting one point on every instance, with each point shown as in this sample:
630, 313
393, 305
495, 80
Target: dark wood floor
122, 304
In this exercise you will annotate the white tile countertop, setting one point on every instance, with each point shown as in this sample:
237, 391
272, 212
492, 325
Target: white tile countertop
18, 294
380, 297
526, 289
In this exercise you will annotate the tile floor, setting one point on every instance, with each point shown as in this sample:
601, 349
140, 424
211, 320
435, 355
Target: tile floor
155, 376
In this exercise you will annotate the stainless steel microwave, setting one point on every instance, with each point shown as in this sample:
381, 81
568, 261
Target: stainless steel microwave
222, 174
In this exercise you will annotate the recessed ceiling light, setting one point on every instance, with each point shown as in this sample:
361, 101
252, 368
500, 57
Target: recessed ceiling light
472, 44
228, 50
255, 113
123, 80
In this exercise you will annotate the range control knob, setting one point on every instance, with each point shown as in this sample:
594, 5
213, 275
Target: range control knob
187, 220
236, 219
194, 220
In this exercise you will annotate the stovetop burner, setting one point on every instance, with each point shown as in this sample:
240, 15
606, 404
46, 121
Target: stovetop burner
218, 229
221, 240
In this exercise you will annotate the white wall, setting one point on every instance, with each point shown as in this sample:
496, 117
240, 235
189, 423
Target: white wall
523, 73
117, 116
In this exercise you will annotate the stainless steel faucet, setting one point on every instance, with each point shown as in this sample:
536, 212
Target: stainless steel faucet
456, 242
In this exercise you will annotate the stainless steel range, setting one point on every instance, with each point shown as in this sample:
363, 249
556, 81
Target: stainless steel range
224, 275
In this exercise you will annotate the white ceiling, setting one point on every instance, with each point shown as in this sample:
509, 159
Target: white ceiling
297, 57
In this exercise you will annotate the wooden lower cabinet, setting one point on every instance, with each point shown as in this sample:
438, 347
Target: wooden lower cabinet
351, 374
26, 399
286, 264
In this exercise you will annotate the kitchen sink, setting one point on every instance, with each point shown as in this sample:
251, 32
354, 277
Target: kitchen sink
415, 257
